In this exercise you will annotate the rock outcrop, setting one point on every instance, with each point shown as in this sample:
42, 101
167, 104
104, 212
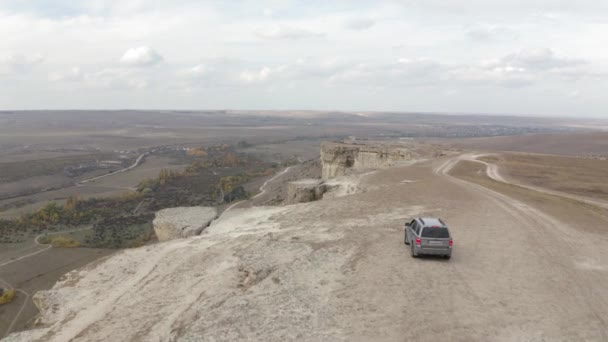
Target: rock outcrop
182, 222
338, 158
305, 190
288, 273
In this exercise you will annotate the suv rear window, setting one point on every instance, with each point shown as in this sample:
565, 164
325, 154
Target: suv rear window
438, 232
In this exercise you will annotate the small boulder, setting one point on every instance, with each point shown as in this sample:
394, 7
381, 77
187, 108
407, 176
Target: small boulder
305, 190
182, 222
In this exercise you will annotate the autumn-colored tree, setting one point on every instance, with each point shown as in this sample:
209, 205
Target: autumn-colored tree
197, 152
164, 176
72, 202
230, 159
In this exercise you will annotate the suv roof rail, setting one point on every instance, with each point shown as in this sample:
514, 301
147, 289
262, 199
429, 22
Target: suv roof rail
421, 220
443, 223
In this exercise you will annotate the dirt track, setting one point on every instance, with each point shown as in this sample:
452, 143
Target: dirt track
494, 173
33, 268
337, 270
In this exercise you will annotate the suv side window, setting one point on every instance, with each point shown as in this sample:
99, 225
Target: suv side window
416, 228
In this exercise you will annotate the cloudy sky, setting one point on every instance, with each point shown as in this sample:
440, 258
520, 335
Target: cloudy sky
526, 57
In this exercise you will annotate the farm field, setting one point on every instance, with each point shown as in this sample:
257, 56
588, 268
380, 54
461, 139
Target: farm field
150, 168
589, 144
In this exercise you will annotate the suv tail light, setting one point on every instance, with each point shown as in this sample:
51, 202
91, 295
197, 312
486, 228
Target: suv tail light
418, 241
451, 242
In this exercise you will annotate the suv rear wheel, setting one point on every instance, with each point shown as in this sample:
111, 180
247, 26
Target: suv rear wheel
414, 255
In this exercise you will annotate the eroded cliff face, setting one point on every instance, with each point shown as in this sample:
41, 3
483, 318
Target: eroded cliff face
337, 158
305, 190
256, 274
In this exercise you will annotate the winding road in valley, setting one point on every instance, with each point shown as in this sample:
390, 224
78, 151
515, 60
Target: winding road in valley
134, 165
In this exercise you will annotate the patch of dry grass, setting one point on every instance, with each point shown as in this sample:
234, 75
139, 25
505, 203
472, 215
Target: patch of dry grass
63, 242
7, 296
578, 176
580, 215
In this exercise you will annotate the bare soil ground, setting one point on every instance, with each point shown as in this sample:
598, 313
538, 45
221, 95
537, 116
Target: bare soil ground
298, 149
574, 144
33, 185
39, 200
22, 156
113, 185
36, 273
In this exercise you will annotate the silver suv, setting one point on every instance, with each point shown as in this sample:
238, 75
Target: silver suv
428, 236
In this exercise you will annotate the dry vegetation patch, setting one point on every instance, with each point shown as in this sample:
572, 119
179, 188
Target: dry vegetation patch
7, 296
579, 176
63, 242
576, 214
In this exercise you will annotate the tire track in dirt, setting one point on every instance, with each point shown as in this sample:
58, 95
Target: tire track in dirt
27, 295
48, 246
493, 172
536, 218
25, 301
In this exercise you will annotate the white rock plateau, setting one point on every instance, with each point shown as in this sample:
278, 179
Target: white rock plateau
257, 274
338, 158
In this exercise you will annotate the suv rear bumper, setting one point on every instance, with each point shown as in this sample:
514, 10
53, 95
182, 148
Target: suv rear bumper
433, 251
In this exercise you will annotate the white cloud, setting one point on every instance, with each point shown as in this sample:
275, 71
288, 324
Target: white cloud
489, 33
539, 59
257, 76
116, 79
285, 32
268, 12
141, 56
19, 63
299, 70
529, 66
473, 46
73, 75
402, 73
509, 77
198, 70
359, 23
113, 78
